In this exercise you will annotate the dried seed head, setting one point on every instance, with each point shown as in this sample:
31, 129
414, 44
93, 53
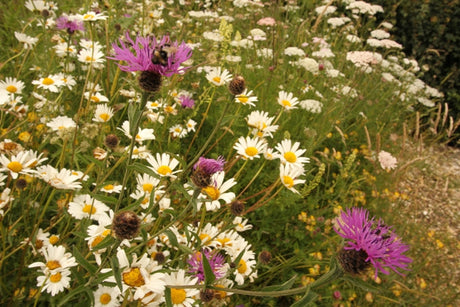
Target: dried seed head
200, 178
237, 85
150, 81
126, 225
21, 183
159, 257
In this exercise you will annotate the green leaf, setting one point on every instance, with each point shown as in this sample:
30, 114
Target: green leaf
284, 286
209, 276
168, 297
82, 261
116, 271
143, 169
108, 241
65, 299
306, 300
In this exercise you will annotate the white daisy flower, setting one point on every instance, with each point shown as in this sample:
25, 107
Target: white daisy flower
12, 86
56, 260
28, 41
63, 179
55, 282
107, 296
182, 297
178, 131
290, 153
246, 268
191, 124
142, 134
21, 163
213, 194
112, 188
240, 224
91, 56
50, 83
250, 148
164, 165
103, 113
93, 16
63, 49
289, 174
246, 98
95, 97
261, 124
218, 77
5, 199
61, 122
84, 206
146, 183
287, 100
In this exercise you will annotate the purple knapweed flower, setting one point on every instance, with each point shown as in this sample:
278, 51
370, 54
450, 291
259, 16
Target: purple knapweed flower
140, 54
204, 169
186, 102
70, 24
216, 262
369, 242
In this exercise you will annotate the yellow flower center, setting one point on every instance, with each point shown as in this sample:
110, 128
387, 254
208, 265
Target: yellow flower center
104, 116
242, 267
204, 237
90, 209
47, 81
164, 170
97, 240
169, 109
53, 264
11, 88
286, 103
133, 278
243, 98
147, 187
88, 58
54, 239
105, 298
224, 241
220, 294
178, 295
251, 151
212, 192
290, 157
14, 166
178, 129
95, 99
288, 181
109, 187
55, 277
216, 79
87, 16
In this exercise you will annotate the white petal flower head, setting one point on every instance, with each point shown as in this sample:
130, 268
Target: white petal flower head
27, 40
387, 161
246, 98
84, 206
21, 163
107, 296
61, 122
103, 113
289, 176
55, 282
164, 165
182, 297
93, 16
261, 124
290, 153
142, 134
12, 86
311, 105
246, 268
287, 100
218, 77
56, 260
63, 179
51, 83
250, 148
216, 192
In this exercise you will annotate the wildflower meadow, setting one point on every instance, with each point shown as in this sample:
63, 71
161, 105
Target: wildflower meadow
207, 153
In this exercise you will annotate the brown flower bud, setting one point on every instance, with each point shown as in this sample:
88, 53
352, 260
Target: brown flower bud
237, 85
237, 207
126, 225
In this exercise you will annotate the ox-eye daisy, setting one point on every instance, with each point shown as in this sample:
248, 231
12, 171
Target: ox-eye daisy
216, 191
164, 165
289, 175
61, 122
142, 134
56, 259
246, 98
182, 297
261, 124
85, 206
51, 83
287, 100
218, 77
12, 85
103, 113
106, 296
250, 148
63, 179
290, 153
21, 163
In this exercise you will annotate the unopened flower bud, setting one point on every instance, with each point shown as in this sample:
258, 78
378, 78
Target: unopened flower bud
237, 85
126, 225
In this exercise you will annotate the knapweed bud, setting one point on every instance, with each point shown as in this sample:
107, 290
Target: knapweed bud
111, 141
265, 257
126, 225
237, 85
21, 183
206, 295
159, 257
150, 81
237, 207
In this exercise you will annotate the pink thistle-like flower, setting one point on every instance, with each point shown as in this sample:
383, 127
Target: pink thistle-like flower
216, 262
69, 24
139, 54
369, 242
204, 169
186, 102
